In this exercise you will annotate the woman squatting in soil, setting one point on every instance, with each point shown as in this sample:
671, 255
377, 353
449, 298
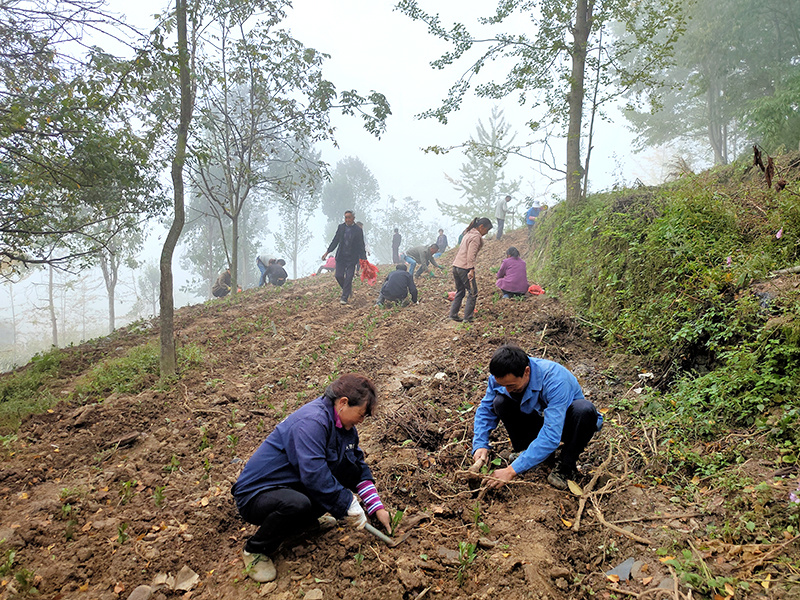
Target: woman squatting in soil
308, 466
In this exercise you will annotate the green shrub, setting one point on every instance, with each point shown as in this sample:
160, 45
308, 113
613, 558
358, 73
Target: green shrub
25, 391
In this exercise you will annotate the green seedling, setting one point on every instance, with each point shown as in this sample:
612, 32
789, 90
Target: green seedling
233, 440
8, 562
158, 495
395, 521
174, 465
126, 493
204, 443
122, 536
466, 556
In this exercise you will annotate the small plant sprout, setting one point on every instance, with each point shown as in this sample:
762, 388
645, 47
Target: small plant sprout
204, 443
126, 493
233, 440
158, 495
466, 556
122, 536
396, 519
174, 465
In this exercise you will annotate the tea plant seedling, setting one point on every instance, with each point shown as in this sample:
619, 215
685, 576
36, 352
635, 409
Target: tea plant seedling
126, 493
174, 465
395, 521
466, 556
158, 495
122, 536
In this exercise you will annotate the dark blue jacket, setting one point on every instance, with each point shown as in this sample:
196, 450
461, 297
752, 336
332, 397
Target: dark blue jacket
348, 253
308, 453
398, 285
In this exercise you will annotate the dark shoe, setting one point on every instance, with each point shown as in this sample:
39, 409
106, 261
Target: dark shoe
559, 477
456, 319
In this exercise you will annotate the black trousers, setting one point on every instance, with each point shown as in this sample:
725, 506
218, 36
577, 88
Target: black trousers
344, 277
280, 513
464, 287
580, 424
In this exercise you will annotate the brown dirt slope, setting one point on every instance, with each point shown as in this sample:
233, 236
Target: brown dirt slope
134, 489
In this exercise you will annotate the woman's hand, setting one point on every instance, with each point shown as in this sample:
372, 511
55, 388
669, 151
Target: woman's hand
383, 516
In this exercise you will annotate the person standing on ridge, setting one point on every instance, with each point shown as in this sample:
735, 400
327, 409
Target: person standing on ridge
396, 239
349, 241
500, 210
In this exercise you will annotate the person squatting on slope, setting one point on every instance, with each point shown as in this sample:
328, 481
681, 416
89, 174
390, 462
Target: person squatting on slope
464, 268
512, 277
349, 239
308, 466
264, 262
422, 256
397, 286
222, 286
276, 274
541, 404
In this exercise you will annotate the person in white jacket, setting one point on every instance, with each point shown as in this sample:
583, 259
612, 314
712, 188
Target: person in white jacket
500, 210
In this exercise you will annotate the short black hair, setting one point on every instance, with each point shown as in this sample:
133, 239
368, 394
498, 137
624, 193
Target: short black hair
401, 267
281, 262
434, 245
513, 252
508, 359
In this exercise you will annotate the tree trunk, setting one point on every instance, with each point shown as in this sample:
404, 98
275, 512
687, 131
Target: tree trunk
53, 322
580, 36
168, 358
110, 267
235, 254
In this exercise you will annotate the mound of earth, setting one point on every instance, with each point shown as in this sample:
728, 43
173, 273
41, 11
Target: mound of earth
129, 496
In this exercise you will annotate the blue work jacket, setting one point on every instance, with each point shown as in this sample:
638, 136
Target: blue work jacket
550, 391
307, 452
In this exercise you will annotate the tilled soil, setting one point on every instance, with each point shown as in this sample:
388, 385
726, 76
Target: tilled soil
130, 490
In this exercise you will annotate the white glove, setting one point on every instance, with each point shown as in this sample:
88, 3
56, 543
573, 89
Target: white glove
356, 517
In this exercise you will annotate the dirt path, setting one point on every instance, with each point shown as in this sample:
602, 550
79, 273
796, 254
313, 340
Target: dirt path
89, 514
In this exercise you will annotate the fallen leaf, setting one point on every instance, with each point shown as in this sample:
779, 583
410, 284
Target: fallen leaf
613, 577
119, 588
566, 523
575, 488
84, 587
729, 589
664, 559
204, 502
647, 580
766, 582
23, 495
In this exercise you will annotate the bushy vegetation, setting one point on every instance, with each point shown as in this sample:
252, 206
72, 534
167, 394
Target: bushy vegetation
680, 275
26, 391
129, 374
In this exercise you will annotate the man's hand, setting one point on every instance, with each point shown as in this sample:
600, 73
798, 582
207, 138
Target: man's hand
383, 516
471, 274
500, 477
480, 458
324, 256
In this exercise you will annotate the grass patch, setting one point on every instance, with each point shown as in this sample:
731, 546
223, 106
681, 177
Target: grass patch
137, 370
26, 391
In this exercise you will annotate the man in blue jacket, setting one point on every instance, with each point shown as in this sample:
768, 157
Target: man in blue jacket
349, 240
541, 405
397, 286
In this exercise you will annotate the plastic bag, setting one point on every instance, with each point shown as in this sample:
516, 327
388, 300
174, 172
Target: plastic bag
369, 272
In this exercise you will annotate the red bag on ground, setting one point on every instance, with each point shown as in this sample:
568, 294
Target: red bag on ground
535, 290
369, 272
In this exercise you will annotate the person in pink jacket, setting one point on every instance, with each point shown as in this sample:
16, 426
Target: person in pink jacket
464, 268
512, 278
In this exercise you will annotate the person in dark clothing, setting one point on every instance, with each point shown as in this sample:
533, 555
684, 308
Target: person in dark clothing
264, 262
396, 239
222, 287
541, 405
421, 256
349, 240
397, 286
308, 466
442, 242
276, 273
